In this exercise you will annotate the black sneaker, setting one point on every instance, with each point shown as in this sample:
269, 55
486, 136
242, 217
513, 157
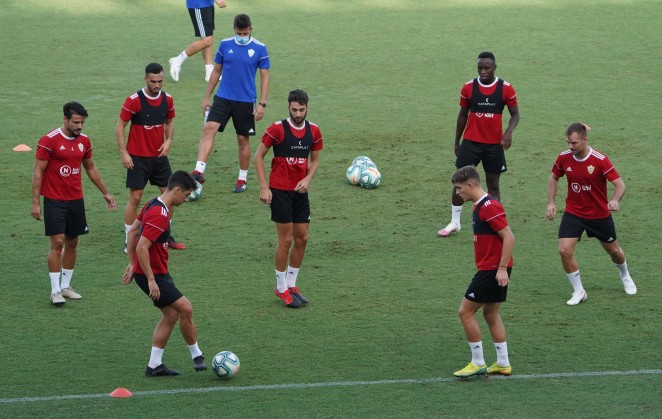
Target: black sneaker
297, 293
199, 363
160, 371
198, 177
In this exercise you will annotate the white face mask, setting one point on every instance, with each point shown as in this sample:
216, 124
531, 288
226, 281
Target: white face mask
242, 40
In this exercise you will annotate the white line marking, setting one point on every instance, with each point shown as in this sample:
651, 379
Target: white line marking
332, 384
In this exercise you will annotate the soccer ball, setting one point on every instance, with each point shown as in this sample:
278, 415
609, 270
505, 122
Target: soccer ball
353, 173
370, 178
196, 193
363, 161
225, 364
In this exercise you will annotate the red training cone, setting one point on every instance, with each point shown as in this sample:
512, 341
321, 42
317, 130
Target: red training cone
120, 392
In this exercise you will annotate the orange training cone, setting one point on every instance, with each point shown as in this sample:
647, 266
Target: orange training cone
22, 147
121, 392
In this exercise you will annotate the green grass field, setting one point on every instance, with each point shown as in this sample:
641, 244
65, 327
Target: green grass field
381, 336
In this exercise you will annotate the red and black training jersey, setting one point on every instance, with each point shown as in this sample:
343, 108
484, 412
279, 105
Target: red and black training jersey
486, 103
488, 218
148, 116
587, 183
155, 226
62, 177
292, 146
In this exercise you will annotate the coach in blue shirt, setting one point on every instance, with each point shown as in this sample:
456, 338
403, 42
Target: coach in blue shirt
237, 62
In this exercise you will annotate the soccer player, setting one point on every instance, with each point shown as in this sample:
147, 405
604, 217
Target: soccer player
479, 126
57, 177
587, 208
145, 156
238, 59
296, 143
148, 265
493, 250
202, 17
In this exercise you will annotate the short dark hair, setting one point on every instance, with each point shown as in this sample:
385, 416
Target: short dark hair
465, 173
242, 21
71, 108
577, 127
153, 68
298, 96
487, 54
182, 179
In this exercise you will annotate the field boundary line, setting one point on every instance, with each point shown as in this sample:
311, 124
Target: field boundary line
330, 384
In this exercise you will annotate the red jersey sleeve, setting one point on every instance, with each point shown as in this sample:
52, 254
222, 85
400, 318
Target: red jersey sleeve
495, 215
171, 107
509, 94
154, 222
609, 170
317, 138
130, 107
274, 134
465, 94
44, 148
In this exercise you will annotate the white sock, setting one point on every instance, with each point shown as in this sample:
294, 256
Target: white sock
575, 281
67, 274
623, 270
182, 57
291, 277
477, 353
243, 174
155, 357
55, 282
127, 227
200, 166
502, 354
456, 212
281, 284
195, 350
208, 69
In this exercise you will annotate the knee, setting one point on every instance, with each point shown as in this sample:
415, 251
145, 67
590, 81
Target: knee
616, 252
57, 244
207, 41
301, 241
285, 242
565, 252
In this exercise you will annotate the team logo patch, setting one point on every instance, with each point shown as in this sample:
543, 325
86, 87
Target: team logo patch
80, 147
251, 52
590, 169
65, 171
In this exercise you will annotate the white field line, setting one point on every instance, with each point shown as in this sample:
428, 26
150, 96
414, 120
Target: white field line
329, 384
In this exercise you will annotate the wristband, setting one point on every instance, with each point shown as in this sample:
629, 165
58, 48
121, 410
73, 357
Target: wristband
264, 105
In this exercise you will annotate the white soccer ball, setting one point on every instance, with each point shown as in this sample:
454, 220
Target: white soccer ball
363, 161
225, 364
370, 177
196, 193
353, 173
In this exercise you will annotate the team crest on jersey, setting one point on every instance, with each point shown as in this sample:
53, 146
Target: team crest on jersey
590, 169
80, 147
251, 52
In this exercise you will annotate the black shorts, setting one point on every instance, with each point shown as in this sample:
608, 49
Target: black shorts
484, 288
156, 170
203, 21
169, 292
572, 227
472, 153
66, 217
241, 113
289, 207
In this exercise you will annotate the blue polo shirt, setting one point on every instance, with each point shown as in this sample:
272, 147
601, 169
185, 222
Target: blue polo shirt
240, 64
